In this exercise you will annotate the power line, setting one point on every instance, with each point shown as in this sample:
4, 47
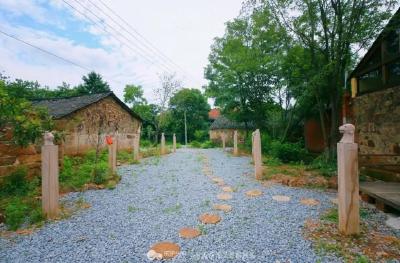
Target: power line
107, 32
45, 51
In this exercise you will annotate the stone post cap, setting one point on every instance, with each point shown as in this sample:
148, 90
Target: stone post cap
48, 138
348, 133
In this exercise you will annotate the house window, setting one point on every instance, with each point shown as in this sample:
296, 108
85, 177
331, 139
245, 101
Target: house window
370, 81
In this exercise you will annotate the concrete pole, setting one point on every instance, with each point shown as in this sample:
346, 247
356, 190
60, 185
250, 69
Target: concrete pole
136, 147
50, 170
235, 143
112, 157
348, 180
186, 140
163, 144
257, 155
174, 142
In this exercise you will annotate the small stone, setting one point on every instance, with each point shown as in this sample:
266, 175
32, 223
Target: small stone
223, 207
227, 189
217, 180
209, 218
309, 201
189, 233
221, 183
167, 250
281, 198
393, 222
253, 193
224, 196
335, 201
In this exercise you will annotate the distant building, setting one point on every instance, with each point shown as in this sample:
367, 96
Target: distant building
214, 114
375, 105
223, 125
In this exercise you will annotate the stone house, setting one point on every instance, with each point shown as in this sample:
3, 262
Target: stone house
83, 122
375, 105
223, 125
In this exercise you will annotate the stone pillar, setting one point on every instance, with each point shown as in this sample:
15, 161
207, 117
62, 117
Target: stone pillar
223, 137
235, 143
163, 144
50, 169
348, 190
136, 145
112, 156
174, 142
257, 155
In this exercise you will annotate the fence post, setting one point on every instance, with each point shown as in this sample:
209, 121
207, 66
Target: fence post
235, 142
223, 140
162, 144
257, 155
348, 192
50, 170
112, 156
136, 147
174, 142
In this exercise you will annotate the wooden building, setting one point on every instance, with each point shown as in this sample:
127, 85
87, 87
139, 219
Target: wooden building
375, 105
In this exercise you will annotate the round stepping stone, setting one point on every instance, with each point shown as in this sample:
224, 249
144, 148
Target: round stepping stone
335, 201
309, 201
253, 193
281, 198
163, 250
221, 183
224, 196
209, 218
223, 207
189, 233
227, 189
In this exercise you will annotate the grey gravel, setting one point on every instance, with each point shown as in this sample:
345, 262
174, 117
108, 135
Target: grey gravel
161, 195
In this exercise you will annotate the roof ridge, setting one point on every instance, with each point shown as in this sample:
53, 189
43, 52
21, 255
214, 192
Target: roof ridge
74, 96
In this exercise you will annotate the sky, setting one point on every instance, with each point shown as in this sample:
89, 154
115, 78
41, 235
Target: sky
152, 38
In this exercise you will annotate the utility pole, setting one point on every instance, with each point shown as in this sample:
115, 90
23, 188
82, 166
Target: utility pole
185, 129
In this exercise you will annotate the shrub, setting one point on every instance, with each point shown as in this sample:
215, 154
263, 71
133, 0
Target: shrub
289, 152
326, 167
208, 144
100, 173
146, 143
15, 213
16, 183
195, 144
201, 135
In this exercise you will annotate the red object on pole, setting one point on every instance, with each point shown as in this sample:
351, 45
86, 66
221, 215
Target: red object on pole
109, 140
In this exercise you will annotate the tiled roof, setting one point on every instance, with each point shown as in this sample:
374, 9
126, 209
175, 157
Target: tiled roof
223, 122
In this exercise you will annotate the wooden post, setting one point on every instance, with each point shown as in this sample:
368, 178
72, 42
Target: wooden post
174, 142
50, 171
257, 155
235, 143
223, 140
112, 157
136, 147
163, 144
348, 192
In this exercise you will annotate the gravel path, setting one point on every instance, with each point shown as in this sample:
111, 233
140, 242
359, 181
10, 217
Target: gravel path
160, 196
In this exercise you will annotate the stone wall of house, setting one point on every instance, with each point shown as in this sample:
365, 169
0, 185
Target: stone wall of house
81, 128
215, 135
80, 135
377, 121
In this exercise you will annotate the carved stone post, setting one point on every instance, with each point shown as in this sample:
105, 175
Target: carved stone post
223, 137
136, 147
50, 171
257, 155
163, 144
235, 143
174, 142
347, 156
112, 155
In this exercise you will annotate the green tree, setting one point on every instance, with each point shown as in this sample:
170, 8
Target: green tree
25, 122
93, 83
134, 95
194, 103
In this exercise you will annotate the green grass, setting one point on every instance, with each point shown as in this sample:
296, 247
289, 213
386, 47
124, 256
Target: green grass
173, 209
332, 215
132, 209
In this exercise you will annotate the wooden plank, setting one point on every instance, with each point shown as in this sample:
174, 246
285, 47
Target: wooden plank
388, 193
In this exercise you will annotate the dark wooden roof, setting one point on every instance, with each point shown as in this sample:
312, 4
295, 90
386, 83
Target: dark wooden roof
223, 122
62, 107
393, 22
